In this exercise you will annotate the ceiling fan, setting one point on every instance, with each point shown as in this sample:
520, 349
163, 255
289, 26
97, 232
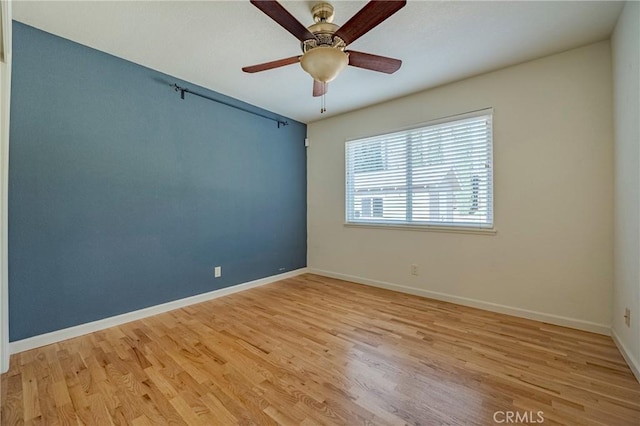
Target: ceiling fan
323, 43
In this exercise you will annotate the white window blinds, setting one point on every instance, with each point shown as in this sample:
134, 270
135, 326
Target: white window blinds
439, 174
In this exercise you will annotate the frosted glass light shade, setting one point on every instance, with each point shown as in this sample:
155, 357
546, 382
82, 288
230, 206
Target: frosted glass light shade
324, 63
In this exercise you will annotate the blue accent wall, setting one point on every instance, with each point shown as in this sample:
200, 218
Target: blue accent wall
123, 196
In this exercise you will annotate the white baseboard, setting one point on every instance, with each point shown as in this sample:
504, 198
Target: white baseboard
90, 327
633, 364
474, 303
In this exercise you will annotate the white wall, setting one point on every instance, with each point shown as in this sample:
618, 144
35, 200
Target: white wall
552, 255
5, 94
626, 78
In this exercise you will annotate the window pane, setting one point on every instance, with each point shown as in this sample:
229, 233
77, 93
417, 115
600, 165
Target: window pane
439, 174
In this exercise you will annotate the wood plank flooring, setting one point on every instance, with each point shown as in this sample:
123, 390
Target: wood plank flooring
313, 350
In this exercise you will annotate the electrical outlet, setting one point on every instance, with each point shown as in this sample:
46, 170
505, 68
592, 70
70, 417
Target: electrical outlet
217, 271
627, 317
414, 269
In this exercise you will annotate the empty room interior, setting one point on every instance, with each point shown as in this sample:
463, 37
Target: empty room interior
320, 213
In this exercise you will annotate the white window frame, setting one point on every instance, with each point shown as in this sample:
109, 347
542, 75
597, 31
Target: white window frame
480, 228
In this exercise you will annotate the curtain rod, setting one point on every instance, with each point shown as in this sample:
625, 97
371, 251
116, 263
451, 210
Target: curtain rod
183, 90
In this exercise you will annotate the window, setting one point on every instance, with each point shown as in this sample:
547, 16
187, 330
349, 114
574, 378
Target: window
438, 174
372, 207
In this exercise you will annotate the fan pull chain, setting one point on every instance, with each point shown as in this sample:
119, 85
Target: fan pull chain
323, 102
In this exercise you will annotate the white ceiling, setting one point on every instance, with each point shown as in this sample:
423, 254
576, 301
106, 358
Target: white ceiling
208, 43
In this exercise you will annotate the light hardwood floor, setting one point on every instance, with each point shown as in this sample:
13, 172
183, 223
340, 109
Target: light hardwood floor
314, 350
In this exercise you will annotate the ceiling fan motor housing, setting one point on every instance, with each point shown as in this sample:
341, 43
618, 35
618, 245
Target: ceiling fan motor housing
324, 37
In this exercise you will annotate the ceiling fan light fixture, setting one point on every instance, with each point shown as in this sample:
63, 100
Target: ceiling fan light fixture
324, 63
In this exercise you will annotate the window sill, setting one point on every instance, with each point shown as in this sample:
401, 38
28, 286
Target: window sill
450, 229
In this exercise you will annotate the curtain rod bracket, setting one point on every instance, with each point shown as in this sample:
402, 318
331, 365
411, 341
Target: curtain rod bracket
183, 90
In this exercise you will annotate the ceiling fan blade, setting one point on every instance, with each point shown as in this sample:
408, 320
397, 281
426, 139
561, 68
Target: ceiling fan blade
367, 18
278, 13
272, 64
319, 88
373, 62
